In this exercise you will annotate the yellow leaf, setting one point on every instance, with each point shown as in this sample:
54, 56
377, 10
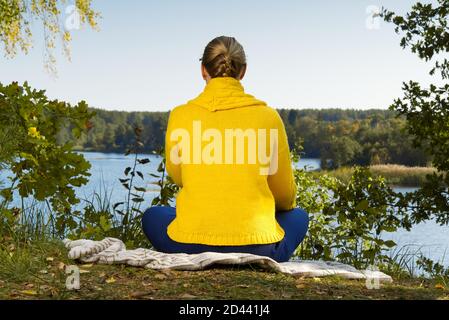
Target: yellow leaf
110, 280
439, 286
84, 271
87, 265
50, 259
160, 276
29, 292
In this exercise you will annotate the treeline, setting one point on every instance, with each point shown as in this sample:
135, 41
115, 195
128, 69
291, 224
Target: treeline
338, 137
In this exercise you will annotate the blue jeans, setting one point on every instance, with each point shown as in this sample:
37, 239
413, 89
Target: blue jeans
295, 223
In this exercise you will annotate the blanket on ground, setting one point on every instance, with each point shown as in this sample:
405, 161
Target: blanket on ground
113, 251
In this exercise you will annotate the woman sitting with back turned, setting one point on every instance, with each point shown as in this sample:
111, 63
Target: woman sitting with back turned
228, 152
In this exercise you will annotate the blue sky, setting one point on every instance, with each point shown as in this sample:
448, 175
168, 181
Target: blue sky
301, 54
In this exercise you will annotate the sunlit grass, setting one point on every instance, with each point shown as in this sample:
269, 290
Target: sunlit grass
396, 175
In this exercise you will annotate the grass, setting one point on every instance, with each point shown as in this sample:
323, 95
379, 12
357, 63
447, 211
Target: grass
396, 175
37, 271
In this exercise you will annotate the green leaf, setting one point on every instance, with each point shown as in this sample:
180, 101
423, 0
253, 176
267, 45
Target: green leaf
390, 243
362, 205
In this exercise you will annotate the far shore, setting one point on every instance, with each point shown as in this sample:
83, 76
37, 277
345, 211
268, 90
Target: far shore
395, 175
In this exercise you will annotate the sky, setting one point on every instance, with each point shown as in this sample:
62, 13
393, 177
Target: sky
300, 54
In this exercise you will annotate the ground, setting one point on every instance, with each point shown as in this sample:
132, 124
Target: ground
39, 273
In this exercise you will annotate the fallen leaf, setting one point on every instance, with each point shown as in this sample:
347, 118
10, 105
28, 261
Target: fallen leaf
29, 292
439, 286
87, 265
187, 296
139, 294
84, 271
61, 266
44, 287
167, 272
43, 271
110, 280
54, 292
146, 284
160, 276
50, 259
317, 279
185, 285
29, 285
102, 274
300, 286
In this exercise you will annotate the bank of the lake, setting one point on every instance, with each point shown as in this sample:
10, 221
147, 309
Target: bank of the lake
395, 175
37, 271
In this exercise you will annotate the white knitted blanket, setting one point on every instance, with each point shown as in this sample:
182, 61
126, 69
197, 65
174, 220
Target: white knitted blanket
113, 251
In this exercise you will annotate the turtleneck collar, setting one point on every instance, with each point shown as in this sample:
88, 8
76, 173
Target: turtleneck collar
224, 93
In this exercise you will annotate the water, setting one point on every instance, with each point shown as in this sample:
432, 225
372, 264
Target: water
432, 239
428, 237
107, 168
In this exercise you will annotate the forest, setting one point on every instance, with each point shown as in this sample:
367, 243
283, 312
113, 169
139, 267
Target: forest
339, 137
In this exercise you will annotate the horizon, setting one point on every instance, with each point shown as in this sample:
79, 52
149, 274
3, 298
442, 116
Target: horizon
277, 108
300, 55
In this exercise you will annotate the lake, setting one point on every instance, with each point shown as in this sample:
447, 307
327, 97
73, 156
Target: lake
107, 168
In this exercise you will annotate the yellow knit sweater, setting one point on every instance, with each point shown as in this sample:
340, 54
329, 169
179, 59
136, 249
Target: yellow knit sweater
228, 196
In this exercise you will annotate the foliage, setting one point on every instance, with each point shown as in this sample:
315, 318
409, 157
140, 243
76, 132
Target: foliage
314, 193
364, 210
168, 189
425, 31
17, 16
339, 151
348, 220
40, 166
123, 219
434, 270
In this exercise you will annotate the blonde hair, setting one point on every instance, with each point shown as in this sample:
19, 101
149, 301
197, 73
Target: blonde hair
224, 57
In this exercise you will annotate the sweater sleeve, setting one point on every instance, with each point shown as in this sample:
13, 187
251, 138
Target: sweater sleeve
172, 166
282, 182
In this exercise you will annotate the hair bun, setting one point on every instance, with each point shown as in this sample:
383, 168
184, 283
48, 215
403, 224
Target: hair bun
224, 57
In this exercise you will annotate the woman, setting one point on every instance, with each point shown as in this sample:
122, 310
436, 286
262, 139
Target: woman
233, 197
